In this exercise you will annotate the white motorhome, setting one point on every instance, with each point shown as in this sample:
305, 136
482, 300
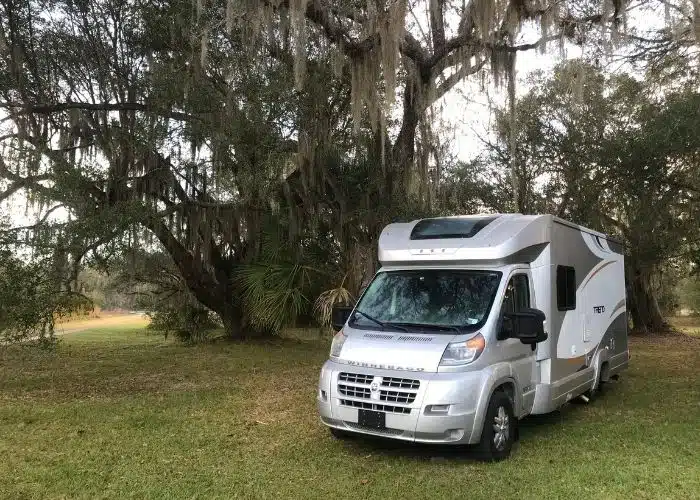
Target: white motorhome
472, 323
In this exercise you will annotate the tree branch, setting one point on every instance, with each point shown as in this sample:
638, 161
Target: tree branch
452, 80
39, 223
47, 109
6, 173
437, 23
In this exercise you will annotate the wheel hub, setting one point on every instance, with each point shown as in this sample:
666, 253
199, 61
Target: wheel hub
500, 429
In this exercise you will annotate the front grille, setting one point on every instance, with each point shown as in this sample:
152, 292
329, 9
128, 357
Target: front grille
397, 397
397, 390
402, 383
366, 405
356, 378
389, 432
353, 391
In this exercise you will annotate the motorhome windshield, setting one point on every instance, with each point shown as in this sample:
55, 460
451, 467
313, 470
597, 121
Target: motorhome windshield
437, 299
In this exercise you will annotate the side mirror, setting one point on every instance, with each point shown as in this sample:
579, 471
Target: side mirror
526, 325
339, 315
507, 327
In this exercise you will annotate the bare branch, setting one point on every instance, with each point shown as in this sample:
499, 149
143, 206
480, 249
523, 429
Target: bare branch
452, 80
38, 224
437, 23
8, 174
47, 109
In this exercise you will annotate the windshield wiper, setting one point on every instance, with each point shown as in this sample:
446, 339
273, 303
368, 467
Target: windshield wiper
380, 323
429, 326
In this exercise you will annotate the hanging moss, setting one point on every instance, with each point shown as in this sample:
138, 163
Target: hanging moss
297, 17
204, 48
391, 34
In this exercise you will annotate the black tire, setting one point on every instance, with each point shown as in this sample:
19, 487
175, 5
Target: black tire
595, 392
339, 434
490, 448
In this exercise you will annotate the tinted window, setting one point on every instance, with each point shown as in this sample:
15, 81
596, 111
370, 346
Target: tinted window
517, 296
431, 297
566, 288
428, 229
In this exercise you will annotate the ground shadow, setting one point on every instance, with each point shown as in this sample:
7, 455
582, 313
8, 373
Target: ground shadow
529, 429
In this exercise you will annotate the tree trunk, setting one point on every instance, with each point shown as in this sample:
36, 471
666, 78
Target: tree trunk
232, 320
212, 290
403, 151
644, 308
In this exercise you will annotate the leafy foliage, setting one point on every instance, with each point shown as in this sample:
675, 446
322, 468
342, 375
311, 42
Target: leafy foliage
31, 299
689, 293
183, 317
274, 293
608, 153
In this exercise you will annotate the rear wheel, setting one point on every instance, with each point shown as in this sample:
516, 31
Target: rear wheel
500, 427
594, 392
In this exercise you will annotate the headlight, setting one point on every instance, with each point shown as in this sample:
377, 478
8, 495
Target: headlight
337, 344
462, 353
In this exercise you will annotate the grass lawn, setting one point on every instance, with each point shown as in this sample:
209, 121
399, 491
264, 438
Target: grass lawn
687, 324
117, 413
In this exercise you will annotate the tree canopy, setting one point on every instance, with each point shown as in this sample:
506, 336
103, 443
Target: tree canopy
262, 146
607, 152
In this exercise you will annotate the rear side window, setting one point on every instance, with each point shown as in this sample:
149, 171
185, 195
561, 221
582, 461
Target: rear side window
566, 288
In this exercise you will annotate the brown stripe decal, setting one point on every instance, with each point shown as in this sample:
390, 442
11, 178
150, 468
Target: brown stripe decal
619, 306
577, 360
605, 264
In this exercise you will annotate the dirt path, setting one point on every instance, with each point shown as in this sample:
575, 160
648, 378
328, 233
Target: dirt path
125, 320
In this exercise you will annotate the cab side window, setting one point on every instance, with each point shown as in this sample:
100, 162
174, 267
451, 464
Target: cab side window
517, 296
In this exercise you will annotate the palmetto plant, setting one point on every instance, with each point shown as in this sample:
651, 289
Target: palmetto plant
300, 280
275, 294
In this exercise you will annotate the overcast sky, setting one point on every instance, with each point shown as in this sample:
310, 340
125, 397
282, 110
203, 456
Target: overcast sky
466, 108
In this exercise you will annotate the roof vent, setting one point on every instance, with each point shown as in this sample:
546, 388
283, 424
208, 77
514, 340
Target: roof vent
450, 227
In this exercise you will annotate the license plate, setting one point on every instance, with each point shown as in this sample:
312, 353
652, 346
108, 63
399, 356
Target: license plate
372, 419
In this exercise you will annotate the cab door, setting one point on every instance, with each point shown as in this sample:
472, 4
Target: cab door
518, 296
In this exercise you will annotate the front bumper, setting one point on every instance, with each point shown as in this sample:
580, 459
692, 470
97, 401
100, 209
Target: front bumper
415, 422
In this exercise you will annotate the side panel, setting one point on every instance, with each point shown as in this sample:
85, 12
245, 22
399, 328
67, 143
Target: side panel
598, 321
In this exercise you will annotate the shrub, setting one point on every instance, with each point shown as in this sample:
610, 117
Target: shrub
186, 319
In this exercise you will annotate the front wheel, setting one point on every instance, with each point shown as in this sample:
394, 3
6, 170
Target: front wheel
499, 429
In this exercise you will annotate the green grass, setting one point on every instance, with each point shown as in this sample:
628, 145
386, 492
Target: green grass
118, 413
689, 325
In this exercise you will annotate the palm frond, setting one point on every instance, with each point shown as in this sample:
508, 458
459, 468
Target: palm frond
323, 306
274, 294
